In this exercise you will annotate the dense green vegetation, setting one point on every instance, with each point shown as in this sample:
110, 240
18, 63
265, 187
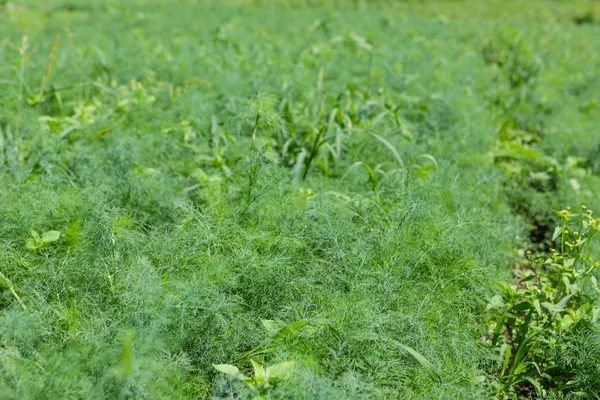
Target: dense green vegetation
299, 199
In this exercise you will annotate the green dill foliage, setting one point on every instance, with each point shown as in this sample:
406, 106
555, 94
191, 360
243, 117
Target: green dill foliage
262, 110
297, 199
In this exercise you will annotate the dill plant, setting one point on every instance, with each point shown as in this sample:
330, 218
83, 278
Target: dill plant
188, 237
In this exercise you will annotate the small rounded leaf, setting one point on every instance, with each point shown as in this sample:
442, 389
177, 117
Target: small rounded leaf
227, 369
50, 236
230, 370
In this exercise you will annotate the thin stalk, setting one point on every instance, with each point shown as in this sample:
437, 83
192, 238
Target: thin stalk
313, 151
4, 280
370, 68
252, 172
255, 128
21, 75
51, 59
562, 235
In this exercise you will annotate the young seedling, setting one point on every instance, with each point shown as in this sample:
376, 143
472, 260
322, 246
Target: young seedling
313, 151
37, 99
263, 377
372, 177
36, 241
262, 110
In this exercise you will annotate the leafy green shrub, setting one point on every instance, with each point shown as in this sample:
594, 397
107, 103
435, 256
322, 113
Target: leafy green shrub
538, 319
510, 55
532, 175
263, 377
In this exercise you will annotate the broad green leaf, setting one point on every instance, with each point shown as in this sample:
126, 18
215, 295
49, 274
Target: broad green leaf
499, 326
571, 288
538, 308
557, 232
556, 308
281, 370
425, 363
372, 177
430, 158
230, 370
566, 322
259, 372
126, 360
522, 350
595, 283
227, 369
102, 132
536, 385
32, 244
298, 167
521, 150
391, 147
528, 278
270, 345
525, 305
289, 329
563, 302
269, 325
507, 352
521, 367
50, 236
495, 302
